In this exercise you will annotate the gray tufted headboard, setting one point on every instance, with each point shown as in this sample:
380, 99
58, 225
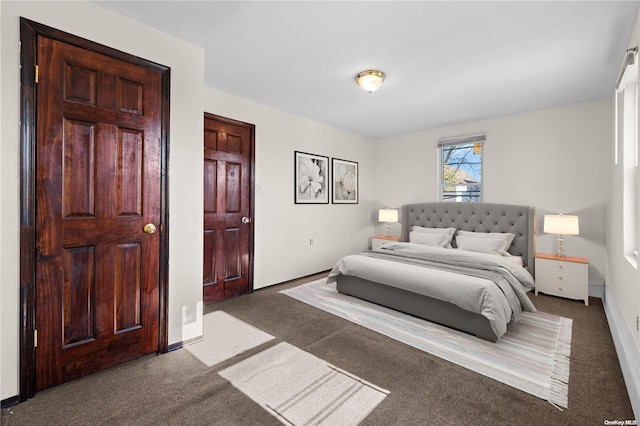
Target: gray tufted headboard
478, 217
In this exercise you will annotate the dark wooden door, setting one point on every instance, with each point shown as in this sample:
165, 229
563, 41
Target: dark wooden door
228, 226
98, 154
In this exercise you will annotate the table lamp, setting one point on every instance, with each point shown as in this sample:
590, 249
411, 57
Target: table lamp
561, 225
389, 216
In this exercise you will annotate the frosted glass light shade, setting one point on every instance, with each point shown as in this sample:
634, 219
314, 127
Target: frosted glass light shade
561, 224
370, 80
388, 215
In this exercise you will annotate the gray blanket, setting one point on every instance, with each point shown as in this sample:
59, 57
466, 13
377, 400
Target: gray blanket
489, 285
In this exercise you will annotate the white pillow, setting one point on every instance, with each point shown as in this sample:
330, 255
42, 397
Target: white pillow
436, 240
505, 236
448, 231
482, 245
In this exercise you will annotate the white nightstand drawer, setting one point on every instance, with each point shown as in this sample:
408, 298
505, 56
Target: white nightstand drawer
559, 267
564, 277
560, 275
559, 287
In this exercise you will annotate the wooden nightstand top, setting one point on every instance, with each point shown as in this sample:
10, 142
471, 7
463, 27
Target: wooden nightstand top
384, 237
564, 259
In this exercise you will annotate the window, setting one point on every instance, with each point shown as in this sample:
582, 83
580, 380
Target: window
626, 151
460, 169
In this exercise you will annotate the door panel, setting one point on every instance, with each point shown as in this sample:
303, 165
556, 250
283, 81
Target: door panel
228, 241
128, 287
233, 254
211, 186
98, 182
129, 168
233, 187
210, 248
79, 178
78, 296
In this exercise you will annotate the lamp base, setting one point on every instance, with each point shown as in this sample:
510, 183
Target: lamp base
388, 234
560, 250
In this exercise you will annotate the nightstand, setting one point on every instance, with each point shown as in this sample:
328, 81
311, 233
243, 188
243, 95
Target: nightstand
378, 240
562, 276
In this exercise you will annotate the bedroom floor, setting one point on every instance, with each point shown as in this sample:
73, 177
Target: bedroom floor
176, 388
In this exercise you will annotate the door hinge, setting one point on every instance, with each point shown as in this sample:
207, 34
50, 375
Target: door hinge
35, 337
37, 73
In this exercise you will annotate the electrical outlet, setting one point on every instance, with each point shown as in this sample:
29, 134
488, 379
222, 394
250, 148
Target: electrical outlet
310, 241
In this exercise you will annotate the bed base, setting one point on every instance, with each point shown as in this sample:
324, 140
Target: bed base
476, 217
430, 309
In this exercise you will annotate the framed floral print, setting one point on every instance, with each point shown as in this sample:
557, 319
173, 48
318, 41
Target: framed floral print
345, 181
311, 178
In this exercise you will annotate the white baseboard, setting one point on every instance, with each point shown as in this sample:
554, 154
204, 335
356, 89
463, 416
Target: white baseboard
628, 353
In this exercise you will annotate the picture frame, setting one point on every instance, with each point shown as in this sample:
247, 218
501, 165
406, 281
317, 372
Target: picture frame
311, 178
344, 181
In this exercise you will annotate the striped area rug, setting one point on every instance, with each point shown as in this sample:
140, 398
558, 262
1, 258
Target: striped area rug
532, 356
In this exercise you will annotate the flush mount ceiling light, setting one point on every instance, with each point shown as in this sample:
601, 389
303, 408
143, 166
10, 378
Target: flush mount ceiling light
370, 80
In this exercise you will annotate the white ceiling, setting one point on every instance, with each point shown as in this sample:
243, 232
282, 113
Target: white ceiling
446, 62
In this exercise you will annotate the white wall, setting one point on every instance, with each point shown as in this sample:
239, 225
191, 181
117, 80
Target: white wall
551, 159
90, 21
283, 229
622, 301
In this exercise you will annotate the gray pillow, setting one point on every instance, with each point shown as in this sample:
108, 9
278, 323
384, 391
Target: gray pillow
483, 245
436, 240
504, 236
448, 231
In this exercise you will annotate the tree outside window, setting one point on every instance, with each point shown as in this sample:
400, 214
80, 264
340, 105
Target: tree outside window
461, 169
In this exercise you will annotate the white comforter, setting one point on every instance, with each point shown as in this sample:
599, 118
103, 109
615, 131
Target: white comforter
485, 284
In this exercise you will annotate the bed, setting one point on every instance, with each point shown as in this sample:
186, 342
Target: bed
442, 285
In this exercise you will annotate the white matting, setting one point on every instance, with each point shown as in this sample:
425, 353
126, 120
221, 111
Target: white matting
301, 389
225, 336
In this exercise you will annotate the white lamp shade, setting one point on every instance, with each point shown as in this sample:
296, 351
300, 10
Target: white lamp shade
561, 224
388, 215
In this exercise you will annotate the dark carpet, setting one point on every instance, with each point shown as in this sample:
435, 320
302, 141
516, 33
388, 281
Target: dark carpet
177, 389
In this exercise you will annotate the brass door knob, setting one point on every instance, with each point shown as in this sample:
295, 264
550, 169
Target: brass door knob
149, 228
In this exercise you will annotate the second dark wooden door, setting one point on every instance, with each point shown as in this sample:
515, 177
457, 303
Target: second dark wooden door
98, 184
228, 225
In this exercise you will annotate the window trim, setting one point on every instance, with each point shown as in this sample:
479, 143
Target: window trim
626, 133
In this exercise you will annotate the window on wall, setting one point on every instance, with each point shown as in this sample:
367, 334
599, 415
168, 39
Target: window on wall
460, 169
626, 153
